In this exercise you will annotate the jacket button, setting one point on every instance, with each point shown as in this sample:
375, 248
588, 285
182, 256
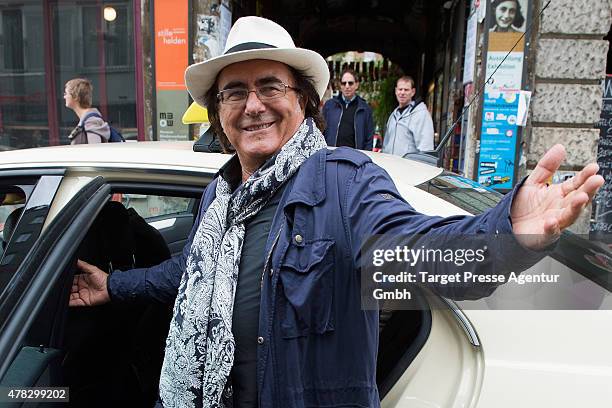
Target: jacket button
260, 340
298, 239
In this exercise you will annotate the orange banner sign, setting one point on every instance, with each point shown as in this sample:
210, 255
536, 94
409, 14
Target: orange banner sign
171, 43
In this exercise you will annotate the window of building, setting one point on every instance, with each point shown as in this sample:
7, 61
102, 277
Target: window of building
35, 66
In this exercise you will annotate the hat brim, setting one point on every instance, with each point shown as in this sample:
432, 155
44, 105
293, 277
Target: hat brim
201, 76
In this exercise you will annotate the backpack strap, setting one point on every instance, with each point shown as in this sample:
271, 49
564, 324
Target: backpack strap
92, 115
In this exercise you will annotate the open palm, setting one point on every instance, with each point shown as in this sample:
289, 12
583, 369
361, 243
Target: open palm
541, 211
89, 288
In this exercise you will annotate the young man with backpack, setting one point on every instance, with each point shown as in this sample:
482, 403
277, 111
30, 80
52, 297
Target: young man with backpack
78, 94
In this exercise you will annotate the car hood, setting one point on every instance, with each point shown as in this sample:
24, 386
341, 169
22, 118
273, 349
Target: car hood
176, 155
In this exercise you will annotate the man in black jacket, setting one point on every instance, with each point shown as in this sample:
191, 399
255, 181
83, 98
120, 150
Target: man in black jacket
348, 116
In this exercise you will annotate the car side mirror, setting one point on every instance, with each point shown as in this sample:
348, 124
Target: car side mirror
208, 143
427, 157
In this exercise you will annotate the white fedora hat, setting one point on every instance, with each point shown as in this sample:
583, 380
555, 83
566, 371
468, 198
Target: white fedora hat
256, 38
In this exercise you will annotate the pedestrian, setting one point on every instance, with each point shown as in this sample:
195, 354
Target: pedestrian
409, 127
348, 116
91, 128
267, 287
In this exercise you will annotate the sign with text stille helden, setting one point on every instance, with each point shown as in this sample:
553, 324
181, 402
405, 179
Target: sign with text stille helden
171, 59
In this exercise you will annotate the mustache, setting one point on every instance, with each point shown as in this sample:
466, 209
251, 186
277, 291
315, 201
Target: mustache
257, 120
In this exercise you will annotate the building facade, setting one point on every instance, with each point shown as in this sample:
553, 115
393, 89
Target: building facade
135, 51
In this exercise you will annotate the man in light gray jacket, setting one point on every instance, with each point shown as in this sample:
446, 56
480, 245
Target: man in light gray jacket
409, 127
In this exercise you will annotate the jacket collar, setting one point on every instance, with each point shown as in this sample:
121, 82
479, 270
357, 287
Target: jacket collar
307, 185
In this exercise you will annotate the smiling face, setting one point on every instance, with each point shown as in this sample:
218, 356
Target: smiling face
257, 129
505, 13
348, 85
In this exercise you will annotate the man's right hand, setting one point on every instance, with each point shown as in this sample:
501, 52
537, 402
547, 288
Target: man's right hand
89, 288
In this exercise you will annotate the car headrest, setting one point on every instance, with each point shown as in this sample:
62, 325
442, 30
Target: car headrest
10, 223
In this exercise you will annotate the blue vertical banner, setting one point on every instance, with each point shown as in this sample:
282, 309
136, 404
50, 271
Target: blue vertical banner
498, 139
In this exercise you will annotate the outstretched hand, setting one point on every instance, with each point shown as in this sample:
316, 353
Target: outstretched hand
541, 211
89, 288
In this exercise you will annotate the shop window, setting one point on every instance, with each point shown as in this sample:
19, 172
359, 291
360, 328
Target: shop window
23, 103
89, 32
115, 36
119, 39
64, 38
12, 28
34, 48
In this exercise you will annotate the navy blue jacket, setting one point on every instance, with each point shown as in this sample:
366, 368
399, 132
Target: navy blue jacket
319, 346
363, 122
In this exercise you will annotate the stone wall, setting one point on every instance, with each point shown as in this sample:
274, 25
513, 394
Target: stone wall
570, 64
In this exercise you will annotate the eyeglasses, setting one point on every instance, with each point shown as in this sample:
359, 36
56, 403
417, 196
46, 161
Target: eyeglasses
349, 83
266, 92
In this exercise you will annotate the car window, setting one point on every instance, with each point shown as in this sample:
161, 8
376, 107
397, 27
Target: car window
150, 206
462, 192
24, 204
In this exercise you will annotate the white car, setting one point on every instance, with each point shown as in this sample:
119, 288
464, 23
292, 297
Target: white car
54, 207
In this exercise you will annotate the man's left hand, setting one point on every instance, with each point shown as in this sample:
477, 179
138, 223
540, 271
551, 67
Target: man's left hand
541, 211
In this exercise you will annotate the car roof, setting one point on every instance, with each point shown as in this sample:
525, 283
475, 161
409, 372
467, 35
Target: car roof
174, 155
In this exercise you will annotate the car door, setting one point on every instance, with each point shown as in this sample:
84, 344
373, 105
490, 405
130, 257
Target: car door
34, 301
35, 343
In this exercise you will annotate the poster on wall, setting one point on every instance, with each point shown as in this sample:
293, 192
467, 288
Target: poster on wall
171, 59
601, 226
208, 34
499, 136
470, 49
212, 31
225, 21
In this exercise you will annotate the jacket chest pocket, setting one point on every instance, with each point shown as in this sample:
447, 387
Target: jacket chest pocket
307, 280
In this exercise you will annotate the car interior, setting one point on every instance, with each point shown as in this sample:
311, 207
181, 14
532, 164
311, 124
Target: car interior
11, 207
111, 355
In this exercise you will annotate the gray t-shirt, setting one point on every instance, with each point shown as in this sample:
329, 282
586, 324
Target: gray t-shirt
245, 322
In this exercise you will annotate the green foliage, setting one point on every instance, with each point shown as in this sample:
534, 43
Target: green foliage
385, 102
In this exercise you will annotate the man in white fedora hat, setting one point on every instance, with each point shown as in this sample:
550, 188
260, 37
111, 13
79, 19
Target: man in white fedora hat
267, 308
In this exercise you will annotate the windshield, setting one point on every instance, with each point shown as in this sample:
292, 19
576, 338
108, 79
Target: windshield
464, 193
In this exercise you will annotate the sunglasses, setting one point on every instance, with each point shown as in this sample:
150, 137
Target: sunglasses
349, 83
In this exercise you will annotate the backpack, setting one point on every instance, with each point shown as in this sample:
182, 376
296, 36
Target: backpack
115, 135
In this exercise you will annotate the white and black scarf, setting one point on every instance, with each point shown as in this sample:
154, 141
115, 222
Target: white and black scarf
200, 344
